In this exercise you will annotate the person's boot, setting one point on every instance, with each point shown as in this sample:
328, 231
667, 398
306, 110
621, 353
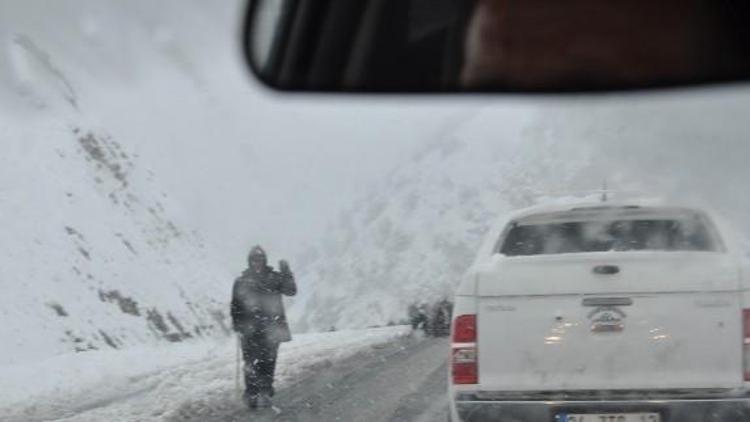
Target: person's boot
264, 401
251, 400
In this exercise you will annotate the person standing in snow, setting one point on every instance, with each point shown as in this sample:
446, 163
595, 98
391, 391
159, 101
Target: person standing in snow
258, 318
418, 315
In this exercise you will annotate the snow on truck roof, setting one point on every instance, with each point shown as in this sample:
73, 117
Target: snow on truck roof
597, 209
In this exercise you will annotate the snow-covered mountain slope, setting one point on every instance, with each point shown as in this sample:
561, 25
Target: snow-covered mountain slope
689, 146
412, 237
97, 252
140, 162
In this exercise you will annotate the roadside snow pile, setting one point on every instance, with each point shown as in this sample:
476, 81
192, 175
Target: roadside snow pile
156, 383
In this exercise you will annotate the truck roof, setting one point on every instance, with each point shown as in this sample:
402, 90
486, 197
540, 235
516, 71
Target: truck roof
592, 207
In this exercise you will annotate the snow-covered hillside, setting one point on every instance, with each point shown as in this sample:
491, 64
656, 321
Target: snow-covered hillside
411, 237
95, 253
96, 250
140, 163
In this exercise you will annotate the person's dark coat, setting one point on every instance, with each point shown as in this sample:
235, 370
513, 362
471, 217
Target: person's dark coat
257, 308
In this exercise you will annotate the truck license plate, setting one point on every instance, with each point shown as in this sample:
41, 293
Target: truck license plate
611, 417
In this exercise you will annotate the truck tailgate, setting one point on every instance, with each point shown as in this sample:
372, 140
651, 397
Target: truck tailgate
663, 320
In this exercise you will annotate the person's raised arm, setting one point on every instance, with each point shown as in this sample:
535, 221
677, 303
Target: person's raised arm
287, 286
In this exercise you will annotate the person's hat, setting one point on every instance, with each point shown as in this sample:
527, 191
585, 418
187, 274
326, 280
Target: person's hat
257, 253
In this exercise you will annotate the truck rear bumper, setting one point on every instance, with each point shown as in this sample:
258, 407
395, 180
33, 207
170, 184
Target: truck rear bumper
469, 408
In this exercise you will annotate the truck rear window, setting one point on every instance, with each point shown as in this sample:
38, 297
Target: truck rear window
601, 236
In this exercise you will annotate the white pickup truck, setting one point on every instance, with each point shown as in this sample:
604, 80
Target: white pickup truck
603, 312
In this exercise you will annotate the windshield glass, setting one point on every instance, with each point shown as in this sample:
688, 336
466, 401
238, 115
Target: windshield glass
180, 243
602, 236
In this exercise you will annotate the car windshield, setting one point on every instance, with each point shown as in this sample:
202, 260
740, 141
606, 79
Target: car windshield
602, 236
181, 243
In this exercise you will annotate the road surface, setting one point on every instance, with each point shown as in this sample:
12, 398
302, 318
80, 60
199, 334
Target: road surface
401, 381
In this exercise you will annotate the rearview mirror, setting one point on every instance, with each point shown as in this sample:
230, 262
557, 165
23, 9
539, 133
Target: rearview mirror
546, 46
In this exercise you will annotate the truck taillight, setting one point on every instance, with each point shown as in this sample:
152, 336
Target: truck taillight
464, 350
746, 342
465, 329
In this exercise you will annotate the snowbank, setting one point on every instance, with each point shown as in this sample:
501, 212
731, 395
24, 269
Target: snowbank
151, 383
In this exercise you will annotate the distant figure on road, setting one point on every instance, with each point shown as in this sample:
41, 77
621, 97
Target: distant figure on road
418, 316
258, 318
440, 322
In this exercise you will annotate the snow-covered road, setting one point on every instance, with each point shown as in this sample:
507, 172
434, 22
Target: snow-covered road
197, 381
404, 380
